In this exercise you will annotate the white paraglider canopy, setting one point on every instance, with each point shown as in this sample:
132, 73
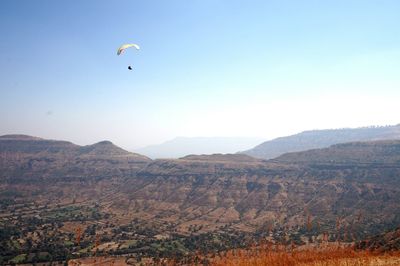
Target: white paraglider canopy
126, 46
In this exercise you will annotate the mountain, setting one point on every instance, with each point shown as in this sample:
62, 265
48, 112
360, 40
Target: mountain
385, 152
29, 157
182, 146
316, 139
52, 190
217, 190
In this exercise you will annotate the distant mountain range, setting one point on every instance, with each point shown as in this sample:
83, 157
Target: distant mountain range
346, 190
217, 189
182, 146
316, 139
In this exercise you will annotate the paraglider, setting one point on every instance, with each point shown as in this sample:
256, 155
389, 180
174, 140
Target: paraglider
126, 46
123, 47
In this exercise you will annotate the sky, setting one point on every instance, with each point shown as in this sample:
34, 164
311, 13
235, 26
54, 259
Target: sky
206, 68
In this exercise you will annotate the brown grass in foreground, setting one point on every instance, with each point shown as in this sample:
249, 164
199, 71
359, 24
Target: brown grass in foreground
272, 255
327, 257
332, 256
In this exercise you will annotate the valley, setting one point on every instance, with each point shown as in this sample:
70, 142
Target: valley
61, 201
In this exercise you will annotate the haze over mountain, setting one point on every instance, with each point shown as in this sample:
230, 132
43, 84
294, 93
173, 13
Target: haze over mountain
212, 190
182, 146
132, 202
315, 139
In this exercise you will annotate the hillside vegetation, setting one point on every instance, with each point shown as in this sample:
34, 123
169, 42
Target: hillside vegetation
60, 200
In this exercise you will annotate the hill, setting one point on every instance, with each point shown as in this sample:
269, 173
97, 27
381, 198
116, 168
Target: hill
183, 146
214, 192
29, 157
317, 139
53, 191
384, 152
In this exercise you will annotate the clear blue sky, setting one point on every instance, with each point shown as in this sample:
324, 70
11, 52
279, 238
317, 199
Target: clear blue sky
206, 68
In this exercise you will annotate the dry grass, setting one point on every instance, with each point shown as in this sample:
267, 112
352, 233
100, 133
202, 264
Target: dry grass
333, 256
276, 256
266, 255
